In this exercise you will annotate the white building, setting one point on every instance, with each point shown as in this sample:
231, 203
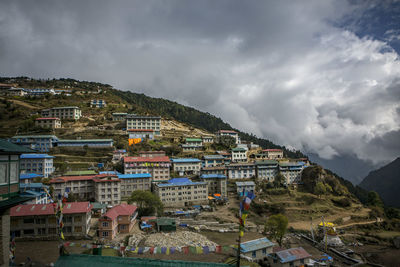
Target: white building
37, 163
143, 123
213, 160
53, 123
241, 170
249, 186
186, 166
239, 154
181, 192
72, 113
266, 170
291, 171
230, 133
133, 182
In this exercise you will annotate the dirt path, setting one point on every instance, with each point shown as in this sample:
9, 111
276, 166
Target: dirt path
21, 103
359, 223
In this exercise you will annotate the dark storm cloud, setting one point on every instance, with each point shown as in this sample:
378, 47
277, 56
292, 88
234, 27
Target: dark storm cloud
281, 69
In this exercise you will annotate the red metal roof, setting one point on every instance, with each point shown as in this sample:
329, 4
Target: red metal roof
147, 159
48, 209
47, 119
272, 150
140, 130
120, 210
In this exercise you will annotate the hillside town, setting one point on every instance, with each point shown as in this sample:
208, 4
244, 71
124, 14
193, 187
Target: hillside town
90, 192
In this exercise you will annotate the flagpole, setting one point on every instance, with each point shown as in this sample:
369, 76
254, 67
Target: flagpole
238, 250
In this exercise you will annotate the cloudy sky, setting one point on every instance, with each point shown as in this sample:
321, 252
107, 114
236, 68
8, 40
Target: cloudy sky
320, 76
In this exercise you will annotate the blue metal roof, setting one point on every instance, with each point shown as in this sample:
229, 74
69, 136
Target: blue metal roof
36, 156
29, 175
292, 254
212, 176
134, 175
33, 185
31, 193
256, 244
180, 182
208, 157
185, 160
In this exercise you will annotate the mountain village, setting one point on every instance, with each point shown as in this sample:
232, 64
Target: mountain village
80, 190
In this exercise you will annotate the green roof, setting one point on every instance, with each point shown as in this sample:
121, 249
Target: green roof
165, 221
238, 149
106, 261
194, 140
8, 147
78, 173
13, 201
98, 205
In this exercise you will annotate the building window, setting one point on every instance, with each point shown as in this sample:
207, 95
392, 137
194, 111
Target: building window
254, 254
29, 232
78, 219
105, 224
27, 221
41, 231
78, 229
105, 234
3, 173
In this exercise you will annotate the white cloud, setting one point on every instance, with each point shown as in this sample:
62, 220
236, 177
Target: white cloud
279, 69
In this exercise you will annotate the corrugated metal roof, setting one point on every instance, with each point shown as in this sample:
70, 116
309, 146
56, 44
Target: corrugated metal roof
180, 182
33, 185
8, 147
29, 175
256, 244
212, 176
36, 156
73, 260
292, 254
48, 209
84, 140
185, 160
193, 140
33, 136
121, 209
147, 159
134, 175
208, 157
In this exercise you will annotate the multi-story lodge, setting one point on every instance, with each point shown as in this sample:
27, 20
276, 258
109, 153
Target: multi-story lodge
213, 160
103, 188
231, 133
241, 170
41, 143
37, 163
216, 184
271, 153
72, 113
151, 154
239, 154
192, 144
257, 249
143, 134
207, 139
186, 166
39, 221
93, 143
119, 154
214, 170
83, 186
291, 171
98, 103
119, 219
248, 186
158, 167
133, 182
266, 170
119, 116
143, 122
180, 192
107, 189
52, 123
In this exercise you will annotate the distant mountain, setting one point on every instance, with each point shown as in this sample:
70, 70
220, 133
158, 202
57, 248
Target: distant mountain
386, 182
347, 166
